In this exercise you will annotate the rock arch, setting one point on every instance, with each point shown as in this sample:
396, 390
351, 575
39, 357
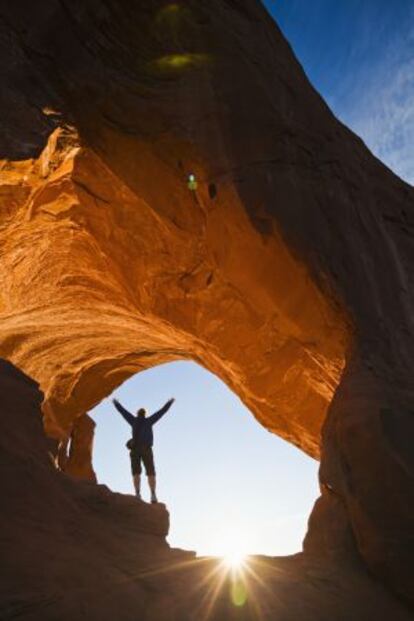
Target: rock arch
293, 283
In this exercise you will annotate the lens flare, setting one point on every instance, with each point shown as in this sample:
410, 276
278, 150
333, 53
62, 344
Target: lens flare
177, 63
238, 593
236, 565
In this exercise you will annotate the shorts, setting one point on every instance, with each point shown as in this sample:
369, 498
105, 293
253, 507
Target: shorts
142, 455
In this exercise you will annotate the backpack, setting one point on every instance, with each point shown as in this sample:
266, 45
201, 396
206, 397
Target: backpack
130, 444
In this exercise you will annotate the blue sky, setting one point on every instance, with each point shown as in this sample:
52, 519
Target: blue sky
228, 483
359, 54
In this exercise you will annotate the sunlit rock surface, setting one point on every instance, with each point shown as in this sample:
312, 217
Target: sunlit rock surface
288, 272
100, 285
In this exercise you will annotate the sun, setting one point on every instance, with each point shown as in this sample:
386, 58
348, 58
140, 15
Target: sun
231, 546
235, 559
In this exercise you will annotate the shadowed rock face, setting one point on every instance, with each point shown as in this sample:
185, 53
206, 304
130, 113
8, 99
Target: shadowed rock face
73, 550
288, 272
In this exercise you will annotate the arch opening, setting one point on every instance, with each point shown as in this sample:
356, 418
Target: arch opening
231, 487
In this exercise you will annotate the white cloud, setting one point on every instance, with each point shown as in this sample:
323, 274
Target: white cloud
382, 111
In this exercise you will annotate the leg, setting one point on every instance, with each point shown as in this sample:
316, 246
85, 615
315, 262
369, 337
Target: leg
148, 459
136, 472
137, 485
152, 482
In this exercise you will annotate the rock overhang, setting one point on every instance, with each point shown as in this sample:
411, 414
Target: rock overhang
113, 286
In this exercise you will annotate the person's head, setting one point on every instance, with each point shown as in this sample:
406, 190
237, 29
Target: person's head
142, 412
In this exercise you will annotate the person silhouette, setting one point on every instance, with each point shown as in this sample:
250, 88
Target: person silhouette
141, 443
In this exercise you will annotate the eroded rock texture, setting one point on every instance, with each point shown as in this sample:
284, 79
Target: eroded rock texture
288, 272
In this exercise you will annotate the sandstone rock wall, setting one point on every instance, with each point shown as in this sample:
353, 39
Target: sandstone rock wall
288, 273
79, 463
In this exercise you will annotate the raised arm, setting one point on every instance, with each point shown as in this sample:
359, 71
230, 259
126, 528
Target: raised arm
156, 417
127, 415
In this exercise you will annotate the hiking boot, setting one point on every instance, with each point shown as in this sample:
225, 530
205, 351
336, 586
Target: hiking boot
154, 499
